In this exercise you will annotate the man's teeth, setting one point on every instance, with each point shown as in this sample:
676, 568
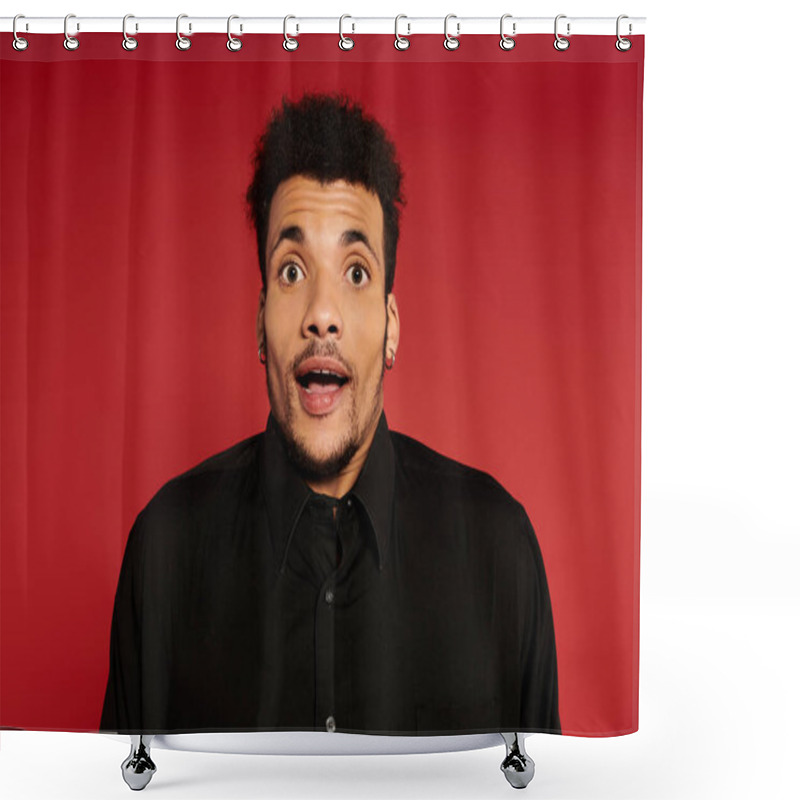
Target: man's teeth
325, 372
322, 376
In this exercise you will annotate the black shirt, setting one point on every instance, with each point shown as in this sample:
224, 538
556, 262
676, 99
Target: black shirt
415, 604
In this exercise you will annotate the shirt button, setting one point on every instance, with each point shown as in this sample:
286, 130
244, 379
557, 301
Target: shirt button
329, 600
349, 502
330, 724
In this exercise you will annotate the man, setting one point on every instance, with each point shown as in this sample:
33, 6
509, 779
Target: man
329, 574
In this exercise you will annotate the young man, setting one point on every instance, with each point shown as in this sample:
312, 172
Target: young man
329, 574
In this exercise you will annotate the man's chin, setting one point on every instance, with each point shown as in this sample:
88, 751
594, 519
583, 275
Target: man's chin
321, 434
315, 463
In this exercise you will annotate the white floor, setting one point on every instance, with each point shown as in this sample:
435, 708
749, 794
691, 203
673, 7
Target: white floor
719, 694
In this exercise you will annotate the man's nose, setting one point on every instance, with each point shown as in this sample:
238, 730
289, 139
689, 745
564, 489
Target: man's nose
323, 317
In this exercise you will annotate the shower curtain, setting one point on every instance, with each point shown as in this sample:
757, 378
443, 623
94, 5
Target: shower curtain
132, 351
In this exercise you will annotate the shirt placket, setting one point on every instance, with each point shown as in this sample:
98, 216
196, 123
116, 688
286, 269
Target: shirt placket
329, 595
325, 643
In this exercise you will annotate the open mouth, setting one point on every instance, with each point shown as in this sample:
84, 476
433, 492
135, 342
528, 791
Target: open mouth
322, 381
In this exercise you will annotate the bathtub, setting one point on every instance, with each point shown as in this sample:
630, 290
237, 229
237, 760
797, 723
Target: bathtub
138, 767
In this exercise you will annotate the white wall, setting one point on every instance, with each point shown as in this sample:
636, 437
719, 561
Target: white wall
720, 441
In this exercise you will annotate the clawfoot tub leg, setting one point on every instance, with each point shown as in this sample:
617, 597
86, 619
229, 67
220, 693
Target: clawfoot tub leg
517, 766
138, 767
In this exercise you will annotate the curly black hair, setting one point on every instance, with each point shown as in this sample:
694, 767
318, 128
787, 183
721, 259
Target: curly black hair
326, 137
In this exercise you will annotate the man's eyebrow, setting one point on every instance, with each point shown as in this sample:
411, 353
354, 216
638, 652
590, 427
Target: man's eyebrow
294, 233
355, 235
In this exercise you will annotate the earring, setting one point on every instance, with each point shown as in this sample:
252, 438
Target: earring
261, 357
389, 364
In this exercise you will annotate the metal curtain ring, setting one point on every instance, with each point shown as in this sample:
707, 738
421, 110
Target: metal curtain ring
234, 44
289, 43
70, 42
506, 42
128, 42
400, 42
623, 45
561, 43
182, 43
345, 42
451, 42
19, 43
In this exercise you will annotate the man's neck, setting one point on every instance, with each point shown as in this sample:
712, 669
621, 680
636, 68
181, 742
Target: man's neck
339, 485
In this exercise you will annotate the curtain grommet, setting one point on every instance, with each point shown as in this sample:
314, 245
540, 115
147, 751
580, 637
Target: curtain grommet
507, 42
401, 42
70, 42
129, 42
560, 42
234, 43
19, 44
182, 42
451, 42
622, 44
289, 42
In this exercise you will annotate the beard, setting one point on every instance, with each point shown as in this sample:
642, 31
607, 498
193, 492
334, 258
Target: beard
313, 469
311, 466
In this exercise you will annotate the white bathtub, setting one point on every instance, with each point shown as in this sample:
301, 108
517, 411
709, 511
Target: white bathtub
138, 768
321, 743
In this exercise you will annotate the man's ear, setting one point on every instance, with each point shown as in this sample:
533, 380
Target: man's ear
262, 299
392, 327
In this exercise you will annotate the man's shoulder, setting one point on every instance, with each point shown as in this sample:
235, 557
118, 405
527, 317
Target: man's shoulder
237, 457
216, 477
455, 500
430, 472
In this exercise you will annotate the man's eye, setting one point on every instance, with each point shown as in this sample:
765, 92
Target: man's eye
290, 273
358, 275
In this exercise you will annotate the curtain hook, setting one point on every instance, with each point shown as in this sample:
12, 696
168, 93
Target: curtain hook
289, 43
234, 44
19, 43
451, 42
400, 42
623, 45
506, 42
128, 42
70, 42
345, 42
182, 43
561, 43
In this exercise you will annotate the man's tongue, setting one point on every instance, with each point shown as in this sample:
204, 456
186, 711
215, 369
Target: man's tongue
320, 394
321, 382
322, 387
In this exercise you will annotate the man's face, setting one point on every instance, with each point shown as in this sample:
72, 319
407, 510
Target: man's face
325, 321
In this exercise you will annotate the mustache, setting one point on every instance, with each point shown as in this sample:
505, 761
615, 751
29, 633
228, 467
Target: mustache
316, 349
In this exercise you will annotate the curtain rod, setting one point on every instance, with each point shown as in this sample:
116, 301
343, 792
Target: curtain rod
295, 25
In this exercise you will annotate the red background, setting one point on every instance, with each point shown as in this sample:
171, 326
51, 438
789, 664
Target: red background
129, 293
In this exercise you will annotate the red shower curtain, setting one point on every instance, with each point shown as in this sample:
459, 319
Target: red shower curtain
129, 295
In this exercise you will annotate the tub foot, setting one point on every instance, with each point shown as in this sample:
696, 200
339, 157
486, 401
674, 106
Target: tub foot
517, 766
138, 768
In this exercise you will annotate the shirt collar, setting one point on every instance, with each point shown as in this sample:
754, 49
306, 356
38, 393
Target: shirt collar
286, 493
